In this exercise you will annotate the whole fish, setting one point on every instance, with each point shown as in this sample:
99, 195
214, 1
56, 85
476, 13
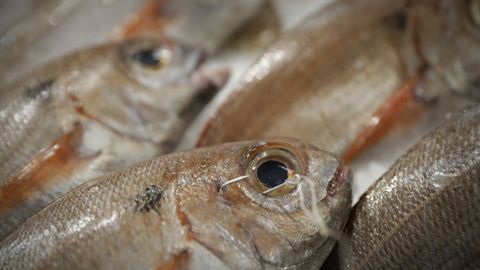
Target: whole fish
343, 76
177, 212
93, 112
424, 212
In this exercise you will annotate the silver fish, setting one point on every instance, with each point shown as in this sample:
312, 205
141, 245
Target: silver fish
424, 212
92, 112
177, 212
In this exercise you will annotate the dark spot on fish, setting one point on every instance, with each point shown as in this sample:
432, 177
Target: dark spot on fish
149, 199
39, 88
272, 173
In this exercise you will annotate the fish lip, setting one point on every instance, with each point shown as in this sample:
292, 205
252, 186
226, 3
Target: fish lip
341, 176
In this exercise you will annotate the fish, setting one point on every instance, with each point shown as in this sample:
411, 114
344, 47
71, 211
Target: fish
183, 211
204, 23
348, 73
92, 112
424, 212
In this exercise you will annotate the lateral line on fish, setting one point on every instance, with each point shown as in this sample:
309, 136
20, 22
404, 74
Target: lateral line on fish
60, 156
384, 119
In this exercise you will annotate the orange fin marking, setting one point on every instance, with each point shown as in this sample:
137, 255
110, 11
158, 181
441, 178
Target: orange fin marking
177, 262
150, 19
385, 118
59, 159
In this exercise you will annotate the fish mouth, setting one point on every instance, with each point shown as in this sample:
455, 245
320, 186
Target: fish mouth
341, 176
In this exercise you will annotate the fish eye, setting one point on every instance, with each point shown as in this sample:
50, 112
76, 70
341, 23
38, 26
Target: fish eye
153, 58
474, 12
272, 173
273, 167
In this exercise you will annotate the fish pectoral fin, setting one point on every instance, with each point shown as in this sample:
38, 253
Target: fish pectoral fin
55, 164
402, 102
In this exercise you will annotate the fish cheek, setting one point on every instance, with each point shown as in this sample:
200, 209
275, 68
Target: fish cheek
271, 236
212, 222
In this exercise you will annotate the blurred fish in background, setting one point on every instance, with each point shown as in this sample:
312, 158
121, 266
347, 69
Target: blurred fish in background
106, 107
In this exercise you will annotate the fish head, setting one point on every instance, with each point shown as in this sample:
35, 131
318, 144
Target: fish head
449, 37
151, 88
234, 216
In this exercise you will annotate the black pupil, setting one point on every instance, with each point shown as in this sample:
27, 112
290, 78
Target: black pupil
147, 57
272, 173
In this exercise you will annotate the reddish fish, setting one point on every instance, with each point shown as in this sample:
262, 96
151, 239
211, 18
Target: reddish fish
347, 73
92, 112
179, 212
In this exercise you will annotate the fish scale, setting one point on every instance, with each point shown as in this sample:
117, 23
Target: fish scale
423, 213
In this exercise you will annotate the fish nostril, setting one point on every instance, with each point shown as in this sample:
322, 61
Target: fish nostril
272, 173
